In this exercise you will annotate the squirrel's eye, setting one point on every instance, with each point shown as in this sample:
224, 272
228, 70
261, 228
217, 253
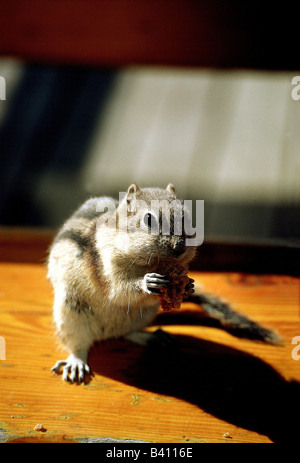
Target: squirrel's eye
150, 221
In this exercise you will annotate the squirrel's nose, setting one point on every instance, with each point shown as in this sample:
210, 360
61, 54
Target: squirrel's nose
179, 246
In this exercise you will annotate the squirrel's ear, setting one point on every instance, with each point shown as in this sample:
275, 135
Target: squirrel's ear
171, 189
133, 190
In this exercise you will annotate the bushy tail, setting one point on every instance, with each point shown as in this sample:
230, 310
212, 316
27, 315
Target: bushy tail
234, 322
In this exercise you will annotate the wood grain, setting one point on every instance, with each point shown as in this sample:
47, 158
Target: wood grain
212, 383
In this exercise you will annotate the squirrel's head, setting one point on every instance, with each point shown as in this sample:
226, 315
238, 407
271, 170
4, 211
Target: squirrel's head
152, 224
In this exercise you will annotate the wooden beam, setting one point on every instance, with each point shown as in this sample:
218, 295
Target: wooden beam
30, 245
166, 32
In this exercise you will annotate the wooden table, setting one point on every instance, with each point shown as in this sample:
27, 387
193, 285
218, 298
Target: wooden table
209, 385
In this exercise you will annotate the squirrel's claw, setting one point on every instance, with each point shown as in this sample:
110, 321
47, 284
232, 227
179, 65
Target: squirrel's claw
74, 369
189, 289
154, 282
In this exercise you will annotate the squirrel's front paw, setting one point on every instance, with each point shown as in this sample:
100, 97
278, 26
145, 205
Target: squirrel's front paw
73, 369
154, 282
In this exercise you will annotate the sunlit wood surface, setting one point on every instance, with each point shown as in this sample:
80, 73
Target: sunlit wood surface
208, 384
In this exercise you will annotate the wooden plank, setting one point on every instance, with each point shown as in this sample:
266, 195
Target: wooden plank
22, 245
228, 137
253, 257
214, 384
250, 167
122, 32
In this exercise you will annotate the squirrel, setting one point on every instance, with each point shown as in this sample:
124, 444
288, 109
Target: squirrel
105, 268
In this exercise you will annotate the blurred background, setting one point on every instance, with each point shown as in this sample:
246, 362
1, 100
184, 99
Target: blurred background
100, 94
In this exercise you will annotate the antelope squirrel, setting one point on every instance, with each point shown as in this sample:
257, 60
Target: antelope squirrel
107, 277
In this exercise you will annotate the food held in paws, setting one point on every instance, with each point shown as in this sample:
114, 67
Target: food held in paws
172, 297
